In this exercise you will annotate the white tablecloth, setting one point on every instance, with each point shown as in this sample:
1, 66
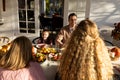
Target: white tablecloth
50, 69
116, 66
115, 63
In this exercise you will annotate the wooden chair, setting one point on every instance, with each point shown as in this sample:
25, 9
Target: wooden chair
108, 43
3, 46
4, 40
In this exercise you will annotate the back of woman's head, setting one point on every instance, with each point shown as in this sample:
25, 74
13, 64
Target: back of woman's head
84, 53
19, 55
88, 27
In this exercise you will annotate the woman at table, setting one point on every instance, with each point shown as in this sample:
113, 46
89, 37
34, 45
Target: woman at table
18, 64
85, 56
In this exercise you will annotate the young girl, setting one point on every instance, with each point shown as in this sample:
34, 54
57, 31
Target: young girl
18, 64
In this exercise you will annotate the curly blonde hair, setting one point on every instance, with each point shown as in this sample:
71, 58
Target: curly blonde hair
85, 56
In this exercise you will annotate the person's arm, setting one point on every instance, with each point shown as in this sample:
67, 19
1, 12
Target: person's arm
59, 39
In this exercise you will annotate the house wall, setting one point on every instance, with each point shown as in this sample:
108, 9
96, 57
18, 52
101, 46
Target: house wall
10, 27
8, 16
103, 12
74, 6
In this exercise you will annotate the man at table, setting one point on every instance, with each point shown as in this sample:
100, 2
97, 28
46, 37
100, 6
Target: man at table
66, 31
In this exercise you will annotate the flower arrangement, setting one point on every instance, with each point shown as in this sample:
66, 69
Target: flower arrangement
116, 32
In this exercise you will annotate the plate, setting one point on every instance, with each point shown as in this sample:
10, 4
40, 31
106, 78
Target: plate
55, 57
40, 45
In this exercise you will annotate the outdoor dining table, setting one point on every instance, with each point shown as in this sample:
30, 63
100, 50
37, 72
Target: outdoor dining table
50, 68
49, 65
116, 66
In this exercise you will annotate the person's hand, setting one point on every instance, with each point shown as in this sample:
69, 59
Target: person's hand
59, 39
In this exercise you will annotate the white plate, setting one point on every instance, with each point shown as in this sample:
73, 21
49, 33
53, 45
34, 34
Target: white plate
40, 45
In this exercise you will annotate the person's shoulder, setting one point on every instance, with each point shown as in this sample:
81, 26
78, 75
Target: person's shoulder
65, 27
36, 69
9, 74
34, 63
1, 69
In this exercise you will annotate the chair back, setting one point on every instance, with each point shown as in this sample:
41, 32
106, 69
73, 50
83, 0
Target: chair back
4, 40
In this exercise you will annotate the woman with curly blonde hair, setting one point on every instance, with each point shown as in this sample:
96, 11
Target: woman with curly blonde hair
85, 56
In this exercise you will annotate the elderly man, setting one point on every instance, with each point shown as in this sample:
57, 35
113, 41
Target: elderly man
66, 31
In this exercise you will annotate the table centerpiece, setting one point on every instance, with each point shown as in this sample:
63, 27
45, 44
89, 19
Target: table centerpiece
46, 52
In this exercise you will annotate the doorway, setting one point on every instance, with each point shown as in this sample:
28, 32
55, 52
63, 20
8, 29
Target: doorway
49, 7
51, 12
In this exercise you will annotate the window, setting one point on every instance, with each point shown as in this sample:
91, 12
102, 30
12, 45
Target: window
26, 16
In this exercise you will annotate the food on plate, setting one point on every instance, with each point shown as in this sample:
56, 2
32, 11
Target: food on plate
55, 57
41, 54
116, 50
47, 50
114, 53
39, 57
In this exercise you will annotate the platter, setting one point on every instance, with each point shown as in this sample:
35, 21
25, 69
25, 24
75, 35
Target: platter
46, 53
39, 57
